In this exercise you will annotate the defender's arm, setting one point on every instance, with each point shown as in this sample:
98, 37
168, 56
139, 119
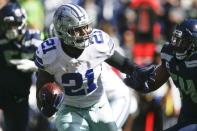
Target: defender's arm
148, 78
161, 76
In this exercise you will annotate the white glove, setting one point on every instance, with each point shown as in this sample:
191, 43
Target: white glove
32, 42
24, 64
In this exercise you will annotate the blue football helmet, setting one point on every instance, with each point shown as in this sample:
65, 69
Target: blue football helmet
12, 20
184, 39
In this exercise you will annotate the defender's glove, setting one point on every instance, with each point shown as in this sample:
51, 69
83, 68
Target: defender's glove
140, 78
49, 98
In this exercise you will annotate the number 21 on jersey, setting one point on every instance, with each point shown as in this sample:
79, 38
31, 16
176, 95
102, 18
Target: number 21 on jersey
74, 86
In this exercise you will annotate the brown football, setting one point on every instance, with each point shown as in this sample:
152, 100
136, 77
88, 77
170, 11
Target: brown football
49, 91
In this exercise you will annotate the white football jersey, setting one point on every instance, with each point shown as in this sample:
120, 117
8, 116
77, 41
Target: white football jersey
79, 78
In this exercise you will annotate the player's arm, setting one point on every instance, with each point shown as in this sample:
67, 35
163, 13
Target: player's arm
148, 78
121, 63
161, 76
43, 78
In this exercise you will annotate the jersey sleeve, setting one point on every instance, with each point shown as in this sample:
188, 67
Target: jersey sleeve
45, 54
104, 44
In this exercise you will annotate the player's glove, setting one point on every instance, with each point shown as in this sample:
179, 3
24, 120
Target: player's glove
49, 106
140, 78
24, 65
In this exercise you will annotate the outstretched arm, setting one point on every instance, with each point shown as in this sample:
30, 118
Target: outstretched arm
161, 76
148, 78
121, 63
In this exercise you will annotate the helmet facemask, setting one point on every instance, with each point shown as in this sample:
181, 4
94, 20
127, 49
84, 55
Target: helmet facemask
80, 36
73, 37
14, 29
183, 44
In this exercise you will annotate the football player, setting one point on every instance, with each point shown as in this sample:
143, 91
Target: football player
178, 62
16, 46
75, 61
117, 92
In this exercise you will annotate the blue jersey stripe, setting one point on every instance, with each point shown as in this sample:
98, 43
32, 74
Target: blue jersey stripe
38, 61
38, 64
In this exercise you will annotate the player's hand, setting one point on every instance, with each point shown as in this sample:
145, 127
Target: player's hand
140, 78
24, 65
49, 108
48, 100
32, 42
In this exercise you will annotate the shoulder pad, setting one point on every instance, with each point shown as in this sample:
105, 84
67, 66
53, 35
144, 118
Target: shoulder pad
46, 53
166, 52
103, 42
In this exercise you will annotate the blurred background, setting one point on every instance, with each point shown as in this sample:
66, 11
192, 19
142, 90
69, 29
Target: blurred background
139, 29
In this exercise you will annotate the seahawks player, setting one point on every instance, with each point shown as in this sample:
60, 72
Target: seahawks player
178, 62
74, 60
17, 43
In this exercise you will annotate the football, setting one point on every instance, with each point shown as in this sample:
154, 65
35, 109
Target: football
50, 96
49, 91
